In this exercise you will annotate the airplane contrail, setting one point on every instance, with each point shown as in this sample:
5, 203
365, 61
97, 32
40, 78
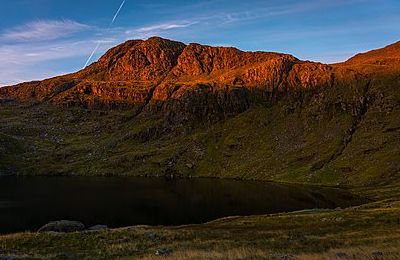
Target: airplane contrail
91, 55
109, 26
116, 14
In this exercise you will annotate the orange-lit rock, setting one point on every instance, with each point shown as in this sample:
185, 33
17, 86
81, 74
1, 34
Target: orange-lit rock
197, 82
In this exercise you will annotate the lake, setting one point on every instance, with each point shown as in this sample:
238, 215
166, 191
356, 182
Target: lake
27, 203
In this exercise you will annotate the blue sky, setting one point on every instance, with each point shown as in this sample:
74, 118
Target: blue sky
44, 38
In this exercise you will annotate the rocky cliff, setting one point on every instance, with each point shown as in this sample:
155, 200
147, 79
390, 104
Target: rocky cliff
193, 81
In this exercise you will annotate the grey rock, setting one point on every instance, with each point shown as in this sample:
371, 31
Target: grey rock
152, 236
163, 252
65, 226
98, 228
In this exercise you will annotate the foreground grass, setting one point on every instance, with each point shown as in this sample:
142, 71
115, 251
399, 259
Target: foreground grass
363, 232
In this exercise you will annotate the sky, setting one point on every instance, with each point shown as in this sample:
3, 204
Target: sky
45, 38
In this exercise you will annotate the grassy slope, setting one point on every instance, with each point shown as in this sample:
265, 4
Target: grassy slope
279, 143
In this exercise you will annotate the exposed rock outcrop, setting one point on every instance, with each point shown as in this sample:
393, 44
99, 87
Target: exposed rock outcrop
197, 82
65, 226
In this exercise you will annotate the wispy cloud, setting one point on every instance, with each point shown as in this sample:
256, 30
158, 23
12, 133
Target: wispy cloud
272, 10
26, 53
164, 26
165, 29
43, 30
28, 49
26, 61
28, 73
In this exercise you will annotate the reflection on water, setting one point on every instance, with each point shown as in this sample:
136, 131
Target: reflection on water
26, 203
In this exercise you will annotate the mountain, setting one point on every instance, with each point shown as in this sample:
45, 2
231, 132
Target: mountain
160, 107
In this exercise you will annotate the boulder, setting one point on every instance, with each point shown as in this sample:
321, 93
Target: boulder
65, 226
163, 252
98, 228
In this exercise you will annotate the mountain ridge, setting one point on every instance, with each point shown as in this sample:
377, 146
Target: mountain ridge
167, 70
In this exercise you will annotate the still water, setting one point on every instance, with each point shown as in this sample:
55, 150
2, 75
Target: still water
27, 203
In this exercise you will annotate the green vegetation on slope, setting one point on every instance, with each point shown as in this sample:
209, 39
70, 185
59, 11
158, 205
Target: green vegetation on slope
324, 142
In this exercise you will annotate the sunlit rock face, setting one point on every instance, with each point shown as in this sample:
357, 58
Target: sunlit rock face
204, 83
